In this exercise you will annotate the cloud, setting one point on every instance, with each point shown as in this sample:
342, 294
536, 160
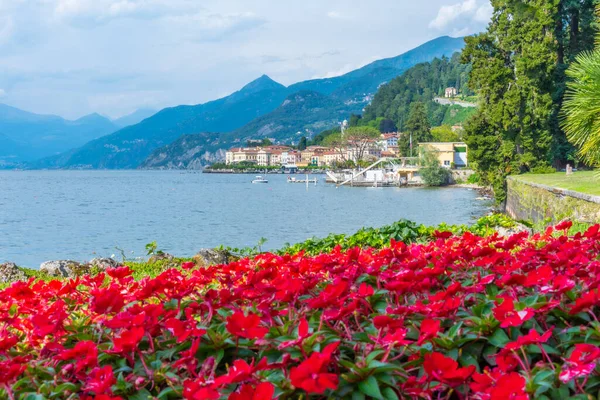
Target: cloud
6, 29
2, 93
211, 27
336, 15
460, 15
86, 13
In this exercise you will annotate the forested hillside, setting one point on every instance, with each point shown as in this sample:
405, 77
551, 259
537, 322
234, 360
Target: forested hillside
420, 83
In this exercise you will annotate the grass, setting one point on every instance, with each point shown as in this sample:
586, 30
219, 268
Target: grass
580, 181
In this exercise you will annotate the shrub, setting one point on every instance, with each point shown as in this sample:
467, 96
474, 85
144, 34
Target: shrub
457, 317
543, 169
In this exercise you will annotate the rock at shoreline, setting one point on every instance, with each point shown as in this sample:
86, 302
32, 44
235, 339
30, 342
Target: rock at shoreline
9, 272
207, 257
64, 268
104, 263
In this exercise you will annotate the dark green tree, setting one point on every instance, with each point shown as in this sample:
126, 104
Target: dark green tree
518, 69
387, 126
302, 143
417, 129
354, 120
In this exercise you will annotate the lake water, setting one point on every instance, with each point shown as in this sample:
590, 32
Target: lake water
51, 215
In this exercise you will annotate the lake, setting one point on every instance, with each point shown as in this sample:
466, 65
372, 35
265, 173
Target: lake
51, 215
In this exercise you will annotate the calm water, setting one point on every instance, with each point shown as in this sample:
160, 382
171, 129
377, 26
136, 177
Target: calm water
50, 215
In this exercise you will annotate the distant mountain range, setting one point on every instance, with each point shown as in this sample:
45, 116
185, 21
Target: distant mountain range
262, 108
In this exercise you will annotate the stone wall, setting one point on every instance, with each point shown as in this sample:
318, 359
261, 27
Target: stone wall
541, 204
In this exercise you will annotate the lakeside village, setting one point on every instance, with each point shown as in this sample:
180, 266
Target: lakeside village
367, 162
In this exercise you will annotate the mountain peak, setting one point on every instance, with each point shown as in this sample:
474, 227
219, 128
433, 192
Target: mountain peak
260, 84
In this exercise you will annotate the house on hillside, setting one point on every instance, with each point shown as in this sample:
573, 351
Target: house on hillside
451, 92
450, 155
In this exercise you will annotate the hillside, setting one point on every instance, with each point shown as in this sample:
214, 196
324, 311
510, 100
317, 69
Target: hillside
26, 136
356, 84
134, 118
421, 83
262, 108
187, 152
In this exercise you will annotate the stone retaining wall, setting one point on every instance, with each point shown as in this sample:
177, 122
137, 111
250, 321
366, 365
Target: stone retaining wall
545, 204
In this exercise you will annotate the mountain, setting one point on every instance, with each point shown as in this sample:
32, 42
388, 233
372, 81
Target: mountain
134, 118
303, 113
261, 108
374, 74
26, 136
128, 147
187, 152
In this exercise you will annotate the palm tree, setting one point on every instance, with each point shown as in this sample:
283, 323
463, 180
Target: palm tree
581, 108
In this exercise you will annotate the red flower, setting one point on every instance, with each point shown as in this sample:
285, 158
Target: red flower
182, 330
86, 354
564, 226
246, 326
188, 265
429, 329
128, 340
533, 337
582, 362
446, 370
262, 391
585, 302
312, 376
199, 390
497, 385
508, 316
365, 290
100, 380
107, 300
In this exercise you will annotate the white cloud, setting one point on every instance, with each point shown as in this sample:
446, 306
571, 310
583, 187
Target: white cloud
336, 15
2, 93
462, 14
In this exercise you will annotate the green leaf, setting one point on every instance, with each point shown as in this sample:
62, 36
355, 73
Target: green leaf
142, 394
389, 394
166, 393
358, 396
370, 387
499, 338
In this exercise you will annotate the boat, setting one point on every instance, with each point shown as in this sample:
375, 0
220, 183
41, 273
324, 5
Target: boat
259, 179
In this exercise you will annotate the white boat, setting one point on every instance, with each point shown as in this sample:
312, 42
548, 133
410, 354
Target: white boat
259, 179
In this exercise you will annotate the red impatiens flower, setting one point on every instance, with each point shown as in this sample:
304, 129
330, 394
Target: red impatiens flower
199, 390
107, 300
262, 391
100, 380
429, 329
183, 329
246, 326
188, 265
533, 337
585, 302
582, 362
312, 376
507, 315
446, 370
564, 225
498, 385
86, 354
128, 340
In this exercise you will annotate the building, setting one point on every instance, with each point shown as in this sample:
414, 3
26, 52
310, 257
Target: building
332, 157
451, 92
450, 155
388, 140
240, 154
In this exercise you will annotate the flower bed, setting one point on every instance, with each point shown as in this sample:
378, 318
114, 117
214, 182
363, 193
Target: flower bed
458, 317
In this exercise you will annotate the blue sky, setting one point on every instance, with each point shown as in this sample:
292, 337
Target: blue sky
74, 57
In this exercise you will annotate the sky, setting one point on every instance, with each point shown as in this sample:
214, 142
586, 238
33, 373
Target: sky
75, 57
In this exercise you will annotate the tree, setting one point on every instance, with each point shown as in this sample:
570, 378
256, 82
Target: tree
354, 143
581, 116
302, 143
354, 120
387, 126
418, 129
518, 69
432, 172
444, 133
